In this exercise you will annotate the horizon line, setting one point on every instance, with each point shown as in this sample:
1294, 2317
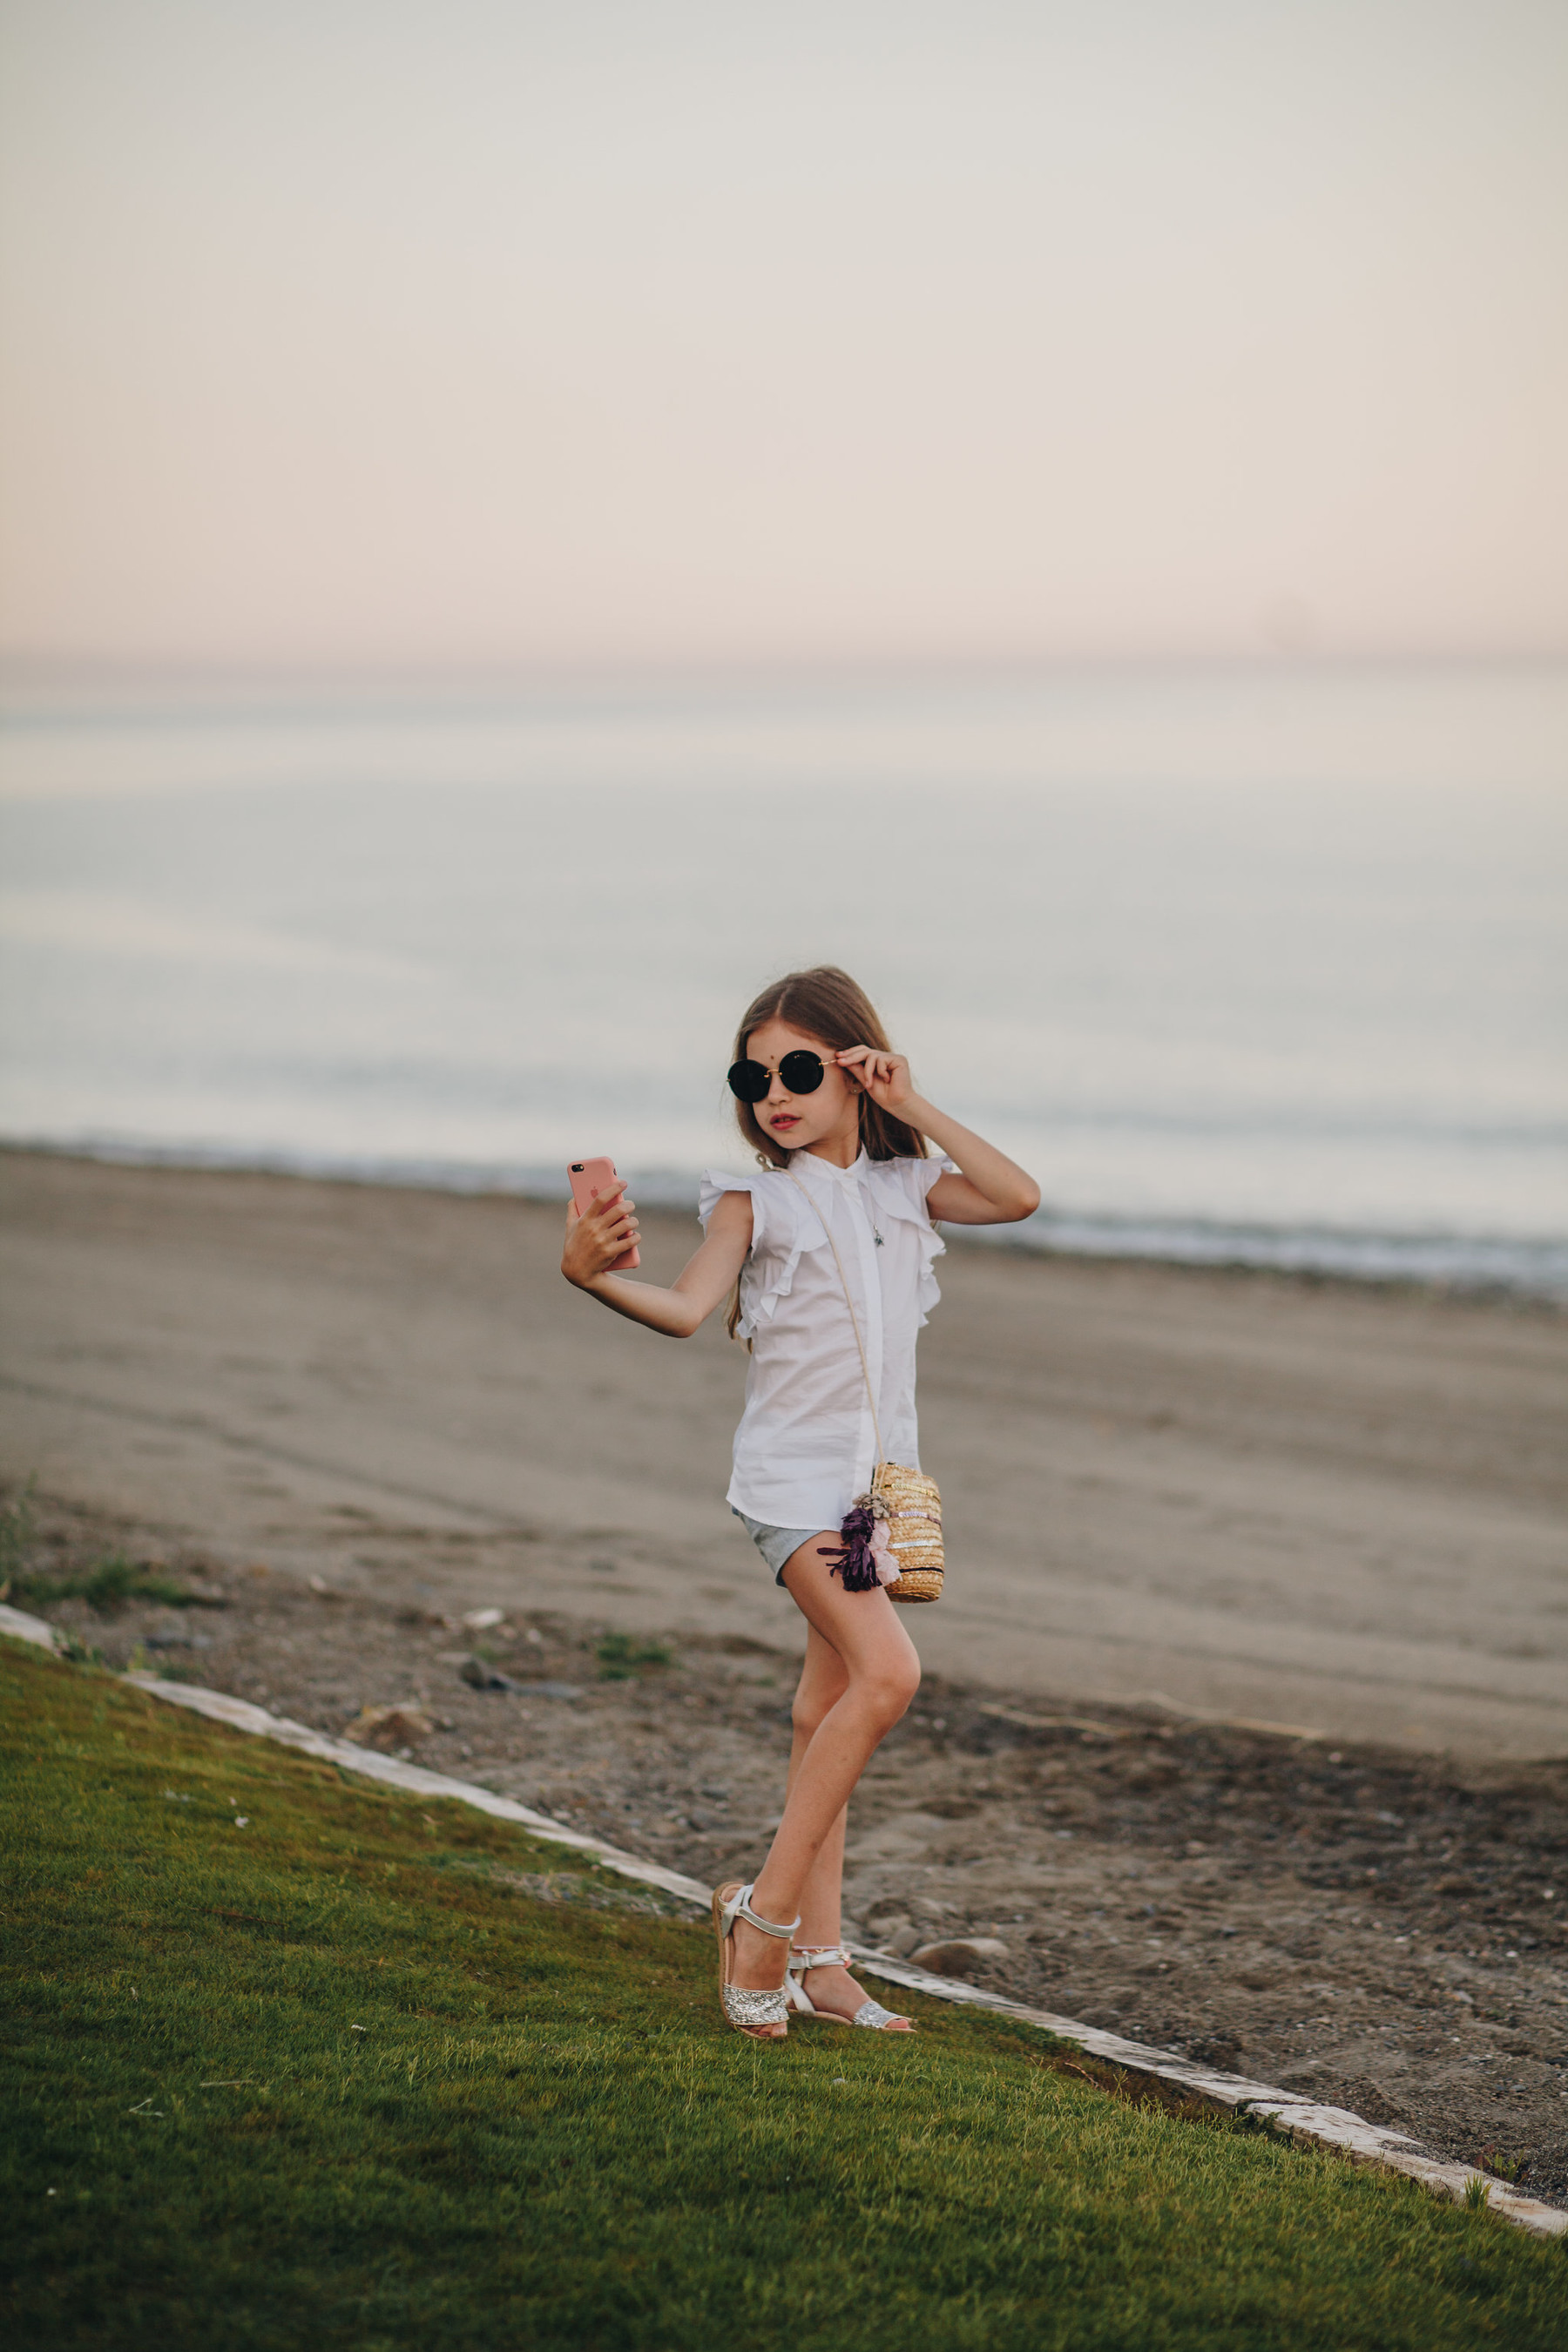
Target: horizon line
71, 675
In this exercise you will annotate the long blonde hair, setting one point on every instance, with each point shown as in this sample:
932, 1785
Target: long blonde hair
827, 1004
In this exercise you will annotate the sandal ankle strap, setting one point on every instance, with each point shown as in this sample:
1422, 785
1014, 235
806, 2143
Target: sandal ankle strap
818, 1955
740, 1907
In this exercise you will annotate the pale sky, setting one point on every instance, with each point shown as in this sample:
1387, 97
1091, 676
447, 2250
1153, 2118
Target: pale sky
479, 331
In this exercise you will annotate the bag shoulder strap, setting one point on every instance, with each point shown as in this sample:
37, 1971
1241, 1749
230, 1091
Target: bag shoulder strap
854, 1318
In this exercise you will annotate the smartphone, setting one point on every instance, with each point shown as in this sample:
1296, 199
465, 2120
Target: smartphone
589, 1178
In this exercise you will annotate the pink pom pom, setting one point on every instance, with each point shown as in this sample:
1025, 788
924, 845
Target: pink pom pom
882, 1554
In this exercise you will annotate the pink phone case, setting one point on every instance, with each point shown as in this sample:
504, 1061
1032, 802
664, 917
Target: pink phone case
589, 1178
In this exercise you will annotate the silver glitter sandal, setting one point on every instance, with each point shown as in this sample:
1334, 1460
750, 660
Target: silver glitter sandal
871, 2013
748, 2008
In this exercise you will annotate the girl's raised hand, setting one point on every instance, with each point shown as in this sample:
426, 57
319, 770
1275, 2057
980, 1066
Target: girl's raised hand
884, 1076
594, 1242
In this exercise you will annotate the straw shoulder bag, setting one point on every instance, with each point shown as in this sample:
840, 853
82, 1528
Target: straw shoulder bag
905, 1502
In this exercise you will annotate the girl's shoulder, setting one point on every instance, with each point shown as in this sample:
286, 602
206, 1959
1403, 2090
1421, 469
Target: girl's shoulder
782, 1209
901, 1186
783, 1224
771, 1196
901, 1189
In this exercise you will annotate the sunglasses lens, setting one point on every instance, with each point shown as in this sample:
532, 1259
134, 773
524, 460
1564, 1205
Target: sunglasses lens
801, 1072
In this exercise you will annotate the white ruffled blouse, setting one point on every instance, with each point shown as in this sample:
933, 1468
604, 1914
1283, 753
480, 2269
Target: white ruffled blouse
806, 1444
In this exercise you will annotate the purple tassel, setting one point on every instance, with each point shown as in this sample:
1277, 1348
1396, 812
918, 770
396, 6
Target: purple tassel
855, 1563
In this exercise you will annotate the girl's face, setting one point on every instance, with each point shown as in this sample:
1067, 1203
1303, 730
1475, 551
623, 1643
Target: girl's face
830, 1114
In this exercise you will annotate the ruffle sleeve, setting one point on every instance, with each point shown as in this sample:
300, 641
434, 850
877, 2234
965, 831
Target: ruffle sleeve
783, 1224
899, 1187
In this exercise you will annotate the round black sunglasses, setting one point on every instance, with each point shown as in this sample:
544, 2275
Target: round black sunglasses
801, 1072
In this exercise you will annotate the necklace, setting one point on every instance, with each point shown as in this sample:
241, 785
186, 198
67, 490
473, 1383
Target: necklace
871, 1213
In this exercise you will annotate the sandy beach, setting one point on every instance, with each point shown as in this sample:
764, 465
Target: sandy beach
349, 1417
1340, 1509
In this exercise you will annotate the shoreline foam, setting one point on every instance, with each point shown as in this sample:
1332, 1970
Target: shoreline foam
1533, 1268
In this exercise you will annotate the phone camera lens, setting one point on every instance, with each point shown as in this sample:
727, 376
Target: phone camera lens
577, 1166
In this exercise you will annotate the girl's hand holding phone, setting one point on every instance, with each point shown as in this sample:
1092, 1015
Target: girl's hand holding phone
601, 1230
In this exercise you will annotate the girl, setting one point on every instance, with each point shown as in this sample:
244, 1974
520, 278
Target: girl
841, 1137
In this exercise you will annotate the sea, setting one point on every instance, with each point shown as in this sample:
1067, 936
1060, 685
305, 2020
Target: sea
1259, 966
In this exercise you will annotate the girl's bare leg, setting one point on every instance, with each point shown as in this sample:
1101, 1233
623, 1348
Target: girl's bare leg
843, 1710
822, 1682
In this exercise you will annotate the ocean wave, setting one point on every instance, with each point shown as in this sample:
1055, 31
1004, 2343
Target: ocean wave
1530, 1268
1522, 1266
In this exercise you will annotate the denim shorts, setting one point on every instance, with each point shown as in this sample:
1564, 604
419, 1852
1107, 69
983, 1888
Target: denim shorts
776, 1545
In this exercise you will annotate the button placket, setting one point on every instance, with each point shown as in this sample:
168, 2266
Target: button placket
871, 1306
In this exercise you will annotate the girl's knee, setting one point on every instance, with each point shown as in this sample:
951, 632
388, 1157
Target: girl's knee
892, 1688
805, 1715
813, 1700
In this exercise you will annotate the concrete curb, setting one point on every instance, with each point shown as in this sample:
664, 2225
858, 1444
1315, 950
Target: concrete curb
1309, 2125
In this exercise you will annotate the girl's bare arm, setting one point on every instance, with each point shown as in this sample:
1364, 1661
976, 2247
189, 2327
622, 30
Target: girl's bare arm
595, 1242
992, 1190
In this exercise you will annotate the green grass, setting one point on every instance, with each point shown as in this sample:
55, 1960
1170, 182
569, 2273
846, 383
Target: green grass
108, 1582
377, 2073
621, 1657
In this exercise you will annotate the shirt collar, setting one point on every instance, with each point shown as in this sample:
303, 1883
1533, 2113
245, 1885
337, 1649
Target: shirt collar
849, 1175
